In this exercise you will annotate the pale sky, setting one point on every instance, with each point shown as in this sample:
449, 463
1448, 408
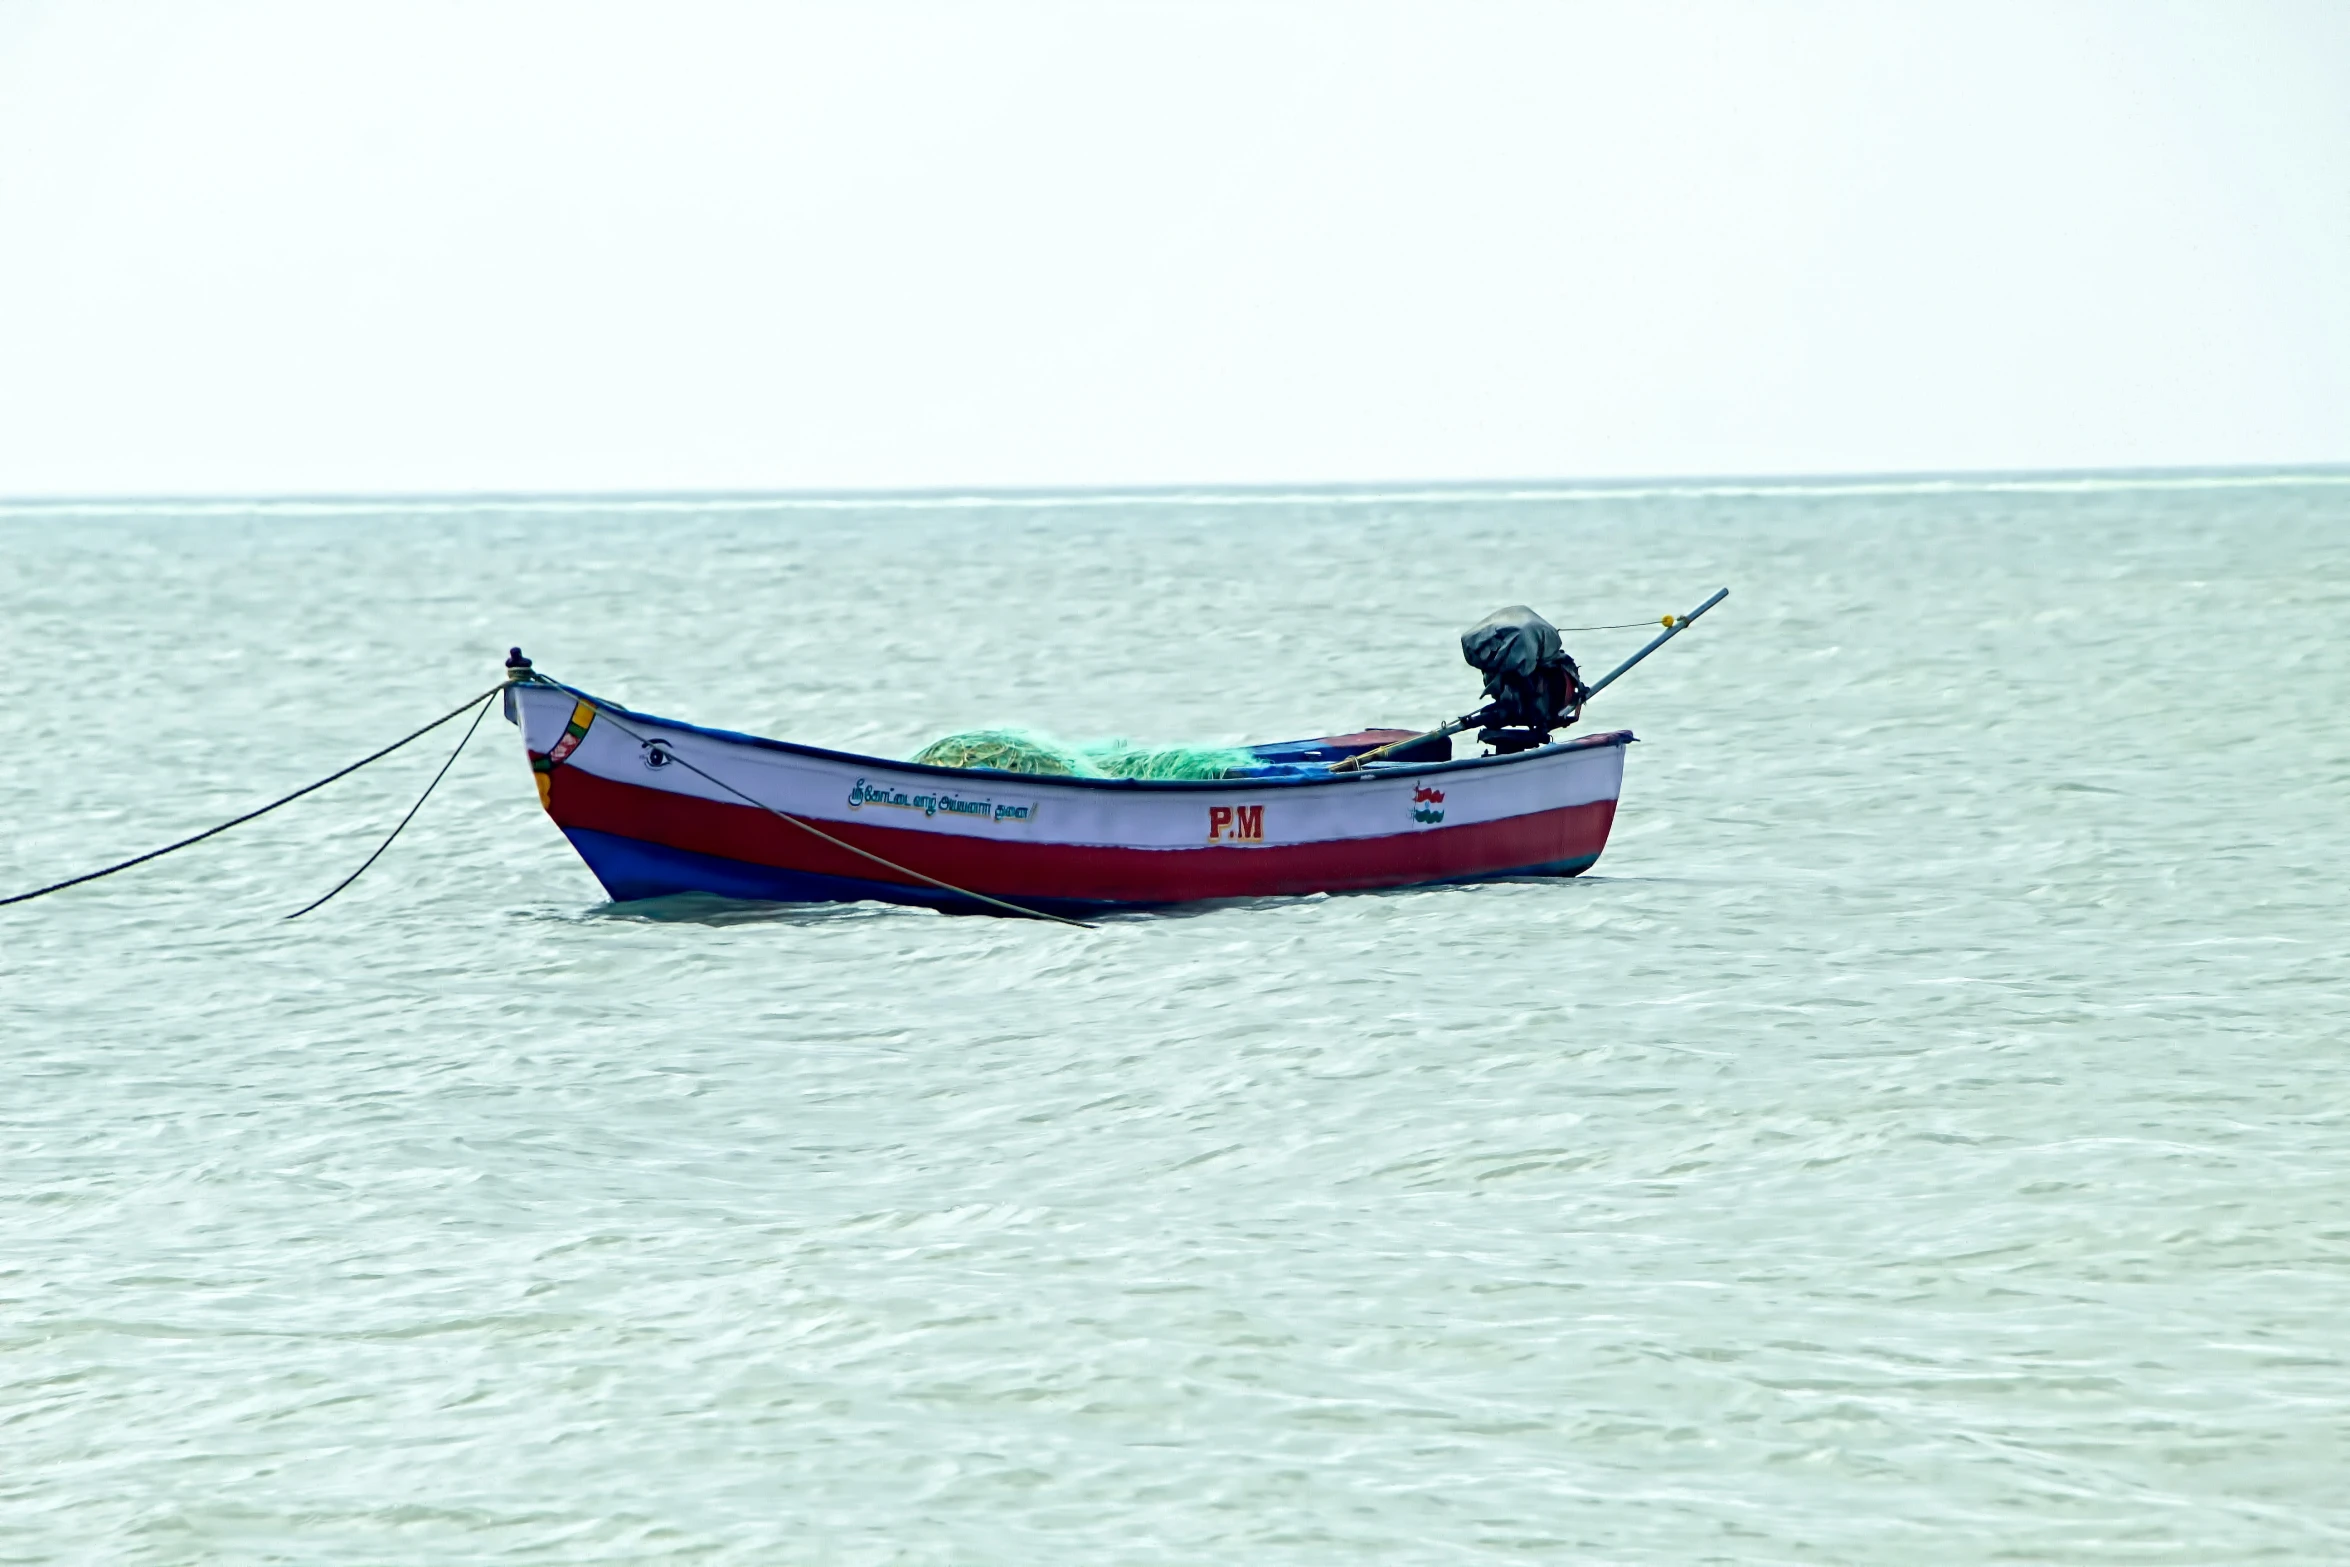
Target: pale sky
318, 247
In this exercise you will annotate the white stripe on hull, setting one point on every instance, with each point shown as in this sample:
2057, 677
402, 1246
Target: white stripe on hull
1021, 808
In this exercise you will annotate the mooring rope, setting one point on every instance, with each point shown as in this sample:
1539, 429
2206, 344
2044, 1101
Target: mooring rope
605, 713
237, 821
412, 810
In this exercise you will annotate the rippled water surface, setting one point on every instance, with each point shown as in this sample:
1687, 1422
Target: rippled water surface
1925, 1137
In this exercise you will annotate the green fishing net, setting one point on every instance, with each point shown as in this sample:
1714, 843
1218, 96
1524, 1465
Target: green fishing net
1020, 751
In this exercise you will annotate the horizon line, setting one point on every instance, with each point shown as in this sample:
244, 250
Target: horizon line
2214, 476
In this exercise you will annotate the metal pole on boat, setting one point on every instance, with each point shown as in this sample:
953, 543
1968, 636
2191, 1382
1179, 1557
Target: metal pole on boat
1673, 628
1355, 763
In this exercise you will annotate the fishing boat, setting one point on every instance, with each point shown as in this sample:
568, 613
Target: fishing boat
657, 807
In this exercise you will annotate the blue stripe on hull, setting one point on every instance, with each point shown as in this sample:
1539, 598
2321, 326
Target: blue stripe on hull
632, 868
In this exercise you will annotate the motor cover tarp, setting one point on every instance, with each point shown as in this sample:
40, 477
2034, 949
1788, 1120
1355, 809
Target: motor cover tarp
1532, 685
1509, 645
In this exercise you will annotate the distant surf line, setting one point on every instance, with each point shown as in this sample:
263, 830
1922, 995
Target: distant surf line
1175, 498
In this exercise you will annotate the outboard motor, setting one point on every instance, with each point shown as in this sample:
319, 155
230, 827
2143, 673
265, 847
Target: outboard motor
1535, 687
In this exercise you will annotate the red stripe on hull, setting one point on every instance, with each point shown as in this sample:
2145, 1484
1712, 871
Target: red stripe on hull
1083, 871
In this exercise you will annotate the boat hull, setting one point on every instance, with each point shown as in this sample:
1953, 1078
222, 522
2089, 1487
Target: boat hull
656, 808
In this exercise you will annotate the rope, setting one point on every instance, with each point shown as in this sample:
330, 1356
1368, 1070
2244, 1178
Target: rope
1629, 625
412, 810
904, 870
236, 821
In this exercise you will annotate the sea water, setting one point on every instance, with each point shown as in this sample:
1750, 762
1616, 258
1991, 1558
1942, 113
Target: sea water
1924, 1137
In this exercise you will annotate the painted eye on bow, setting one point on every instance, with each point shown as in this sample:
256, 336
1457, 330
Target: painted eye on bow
657, 753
